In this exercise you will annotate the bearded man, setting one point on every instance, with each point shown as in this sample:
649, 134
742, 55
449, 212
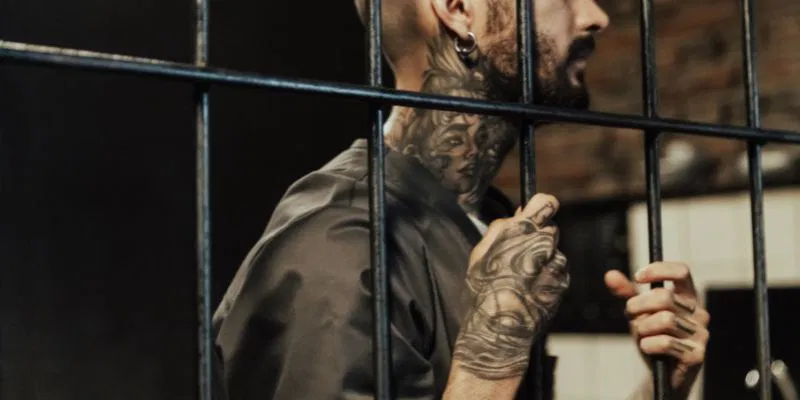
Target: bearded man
474, 283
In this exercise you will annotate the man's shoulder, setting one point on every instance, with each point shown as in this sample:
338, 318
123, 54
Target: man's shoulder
342, 187
339, 185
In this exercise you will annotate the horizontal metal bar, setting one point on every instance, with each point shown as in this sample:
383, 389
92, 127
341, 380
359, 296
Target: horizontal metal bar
53, 56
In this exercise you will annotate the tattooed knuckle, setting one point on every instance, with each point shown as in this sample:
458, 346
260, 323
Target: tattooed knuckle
665, 342
562, 266
697, 356
554, 231
525, 227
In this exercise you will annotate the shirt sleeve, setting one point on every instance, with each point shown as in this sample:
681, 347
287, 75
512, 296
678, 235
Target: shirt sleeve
301, 324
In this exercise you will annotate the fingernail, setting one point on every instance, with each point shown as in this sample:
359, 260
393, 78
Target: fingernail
640, 274
544, 214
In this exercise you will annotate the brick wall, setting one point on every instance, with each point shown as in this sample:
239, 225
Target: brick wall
699, 72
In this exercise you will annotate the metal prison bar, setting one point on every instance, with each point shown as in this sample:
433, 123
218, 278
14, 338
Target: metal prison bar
203, 76
381, 339
527, 167
763, 352
204, 309
652, 170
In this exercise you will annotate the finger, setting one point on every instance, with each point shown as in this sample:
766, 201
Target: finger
551, 283
687, 351
540, 208
676, 272
619, 285
701, 316
494, 229
559, 264
544, 244
665, 323
660, 299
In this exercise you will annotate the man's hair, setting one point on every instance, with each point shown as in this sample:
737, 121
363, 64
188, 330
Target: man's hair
400, 21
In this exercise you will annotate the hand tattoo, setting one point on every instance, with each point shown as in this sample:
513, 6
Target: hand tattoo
677, 347
685, 325
683, 304
544, 214
517, 286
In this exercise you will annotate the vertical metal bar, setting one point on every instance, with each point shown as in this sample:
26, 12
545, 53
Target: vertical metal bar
205, 350
756, 200
380, 274
527, 47
526, 26
661, 388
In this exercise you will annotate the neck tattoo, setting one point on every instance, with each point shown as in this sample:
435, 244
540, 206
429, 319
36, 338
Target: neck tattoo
462, 151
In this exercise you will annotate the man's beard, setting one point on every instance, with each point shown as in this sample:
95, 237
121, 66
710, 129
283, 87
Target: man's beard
554, 89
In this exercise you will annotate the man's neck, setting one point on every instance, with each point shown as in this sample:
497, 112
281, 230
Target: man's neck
462, 151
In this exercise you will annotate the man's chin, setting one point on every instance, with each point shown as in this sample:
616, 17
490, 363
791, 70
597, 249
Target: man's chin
576, 101
582, 103
576, 97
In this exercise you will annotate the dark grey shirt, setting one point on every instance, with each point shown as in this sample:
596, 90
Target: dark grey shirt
296, 322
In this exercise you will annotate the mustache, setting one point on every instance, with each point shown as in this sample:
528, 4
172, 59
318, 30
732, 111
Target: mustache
580, 49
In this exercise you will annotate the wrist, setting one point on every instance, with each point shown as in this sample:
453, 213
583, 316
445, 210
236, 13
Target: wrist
491, 361
492, 348
463, 383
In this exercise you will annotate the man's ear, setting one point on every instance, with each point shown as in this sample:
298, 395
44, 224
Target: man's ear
455, 15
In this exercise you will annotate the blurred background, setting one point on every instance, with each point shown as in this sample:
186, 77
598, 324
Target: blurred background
97, 258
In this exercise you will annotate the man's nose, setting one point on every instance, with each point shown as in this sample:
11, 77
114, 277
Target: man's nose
589, 17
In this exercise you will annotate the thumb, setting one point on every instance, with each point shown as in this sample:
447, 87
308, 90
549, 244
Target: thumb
619, 285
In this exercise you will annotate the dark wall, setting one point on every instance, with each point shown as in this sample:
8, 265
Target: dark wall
97, 182
731, 354
97, 204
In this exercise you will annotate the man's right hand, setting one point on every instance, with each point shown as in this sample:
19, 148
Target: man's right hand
517, 278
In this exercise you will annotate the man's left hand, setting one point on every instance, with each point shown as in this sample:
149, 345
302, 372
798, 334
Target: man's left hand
666, 321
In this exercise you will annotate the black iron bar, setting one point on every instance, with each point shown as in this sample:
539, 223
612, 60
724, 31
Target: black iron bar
203, 192
381, 339
527, 47
652, 139
526, 25
56, 57
756, 200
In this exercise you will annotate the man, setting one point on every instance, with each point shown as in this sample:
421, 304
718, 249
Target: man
468, 300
